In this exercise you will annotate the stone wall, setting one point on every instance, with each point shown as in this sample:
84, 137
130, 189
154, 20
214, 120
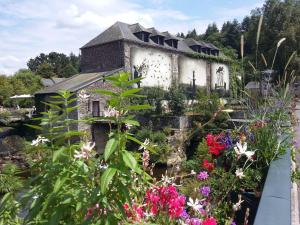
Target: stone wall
98, 131
85, 106
104, 57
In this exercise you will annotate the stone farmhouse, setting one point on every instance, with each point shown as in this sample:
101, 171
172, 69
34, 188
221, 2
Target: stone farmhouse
160, 57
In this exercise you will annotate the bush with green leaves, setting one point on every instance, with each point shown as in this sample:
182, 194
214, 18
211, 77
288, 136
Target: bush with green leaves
72, 186
176, 100
158, 141
9, 179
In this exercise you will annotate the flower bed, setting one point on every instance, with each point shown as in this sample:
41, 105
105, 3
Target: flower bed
72, 184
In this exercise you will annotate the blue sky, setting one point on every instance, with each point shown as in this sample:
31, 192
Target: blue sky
29, 27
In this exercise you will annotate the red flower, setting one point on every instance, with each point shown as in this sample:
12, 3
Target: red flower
214, 145
210, 139
209, 221
207, 165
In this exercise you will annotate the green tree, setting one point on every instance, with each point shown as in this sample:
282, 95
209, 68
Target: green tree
192, 34
6, 90
45, 70
231, 32
68, 71
57, 60
31, 81
211, 29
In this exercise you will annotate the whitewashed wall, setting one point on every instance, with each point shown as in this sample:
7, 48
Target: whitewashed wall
161, 67
214, 75
158, 69
187, 66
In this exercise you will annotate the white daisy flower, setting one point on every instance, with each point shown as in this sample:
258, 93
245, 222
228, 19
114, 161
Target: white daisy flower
195, 205
145, 144
39, 140
239, 173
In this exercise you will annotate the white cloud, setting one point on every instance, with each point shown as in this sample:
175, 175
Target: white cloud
29, 27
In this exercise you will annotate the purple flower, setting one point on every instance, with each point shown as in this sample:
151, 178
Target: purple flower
195, 221
227, 140
205, 191
185, 215
203, 175
233, 223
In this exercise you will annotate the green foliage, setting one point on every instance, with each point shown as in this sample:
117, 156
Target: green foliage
68, 71
60, 64
176, 100
22, 82
45, 70
152, 96
296, 176
6, 90
159, 143
31, 81
9, 181
65, 187
9, 210
206, 106
267, 144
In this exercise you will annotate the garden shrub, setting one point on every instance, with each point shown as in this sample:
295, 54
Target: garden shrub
176, 100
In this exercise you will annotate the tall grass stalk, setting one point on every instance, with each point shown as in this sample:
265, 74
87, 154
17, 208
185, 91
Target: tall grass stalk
264, 60
258, 37
277, 47
242, 56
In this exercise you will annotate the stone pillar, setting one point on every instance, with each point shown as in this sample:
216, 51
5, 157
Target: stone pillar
127, 57
208, 76
174, 68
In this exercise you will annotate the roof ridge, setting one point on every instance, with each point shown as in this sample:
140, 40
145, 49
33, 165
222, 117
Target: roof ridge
119, 23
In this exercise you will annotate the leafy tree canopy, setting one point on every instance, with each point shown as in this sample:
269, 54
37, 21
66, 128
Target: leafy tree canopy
61, 64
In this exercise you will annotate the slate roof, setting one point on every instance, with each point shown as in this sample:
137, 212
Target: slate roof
155, 32
124, 31
212, 46
191, 42
169, 36
135, 28
49, 82
77, 82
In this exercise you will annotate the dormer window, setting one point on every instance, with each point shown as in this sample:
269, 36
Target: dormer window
156, 36
171, 40
206, 50
158, 39
172, 43
194, 45
143, 36
213, 50
196, 48
140, 32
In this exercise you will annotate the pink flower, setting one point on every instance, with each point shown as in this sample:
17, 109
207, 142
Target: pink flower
203, 175
166, 200
209, 221
136, 213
